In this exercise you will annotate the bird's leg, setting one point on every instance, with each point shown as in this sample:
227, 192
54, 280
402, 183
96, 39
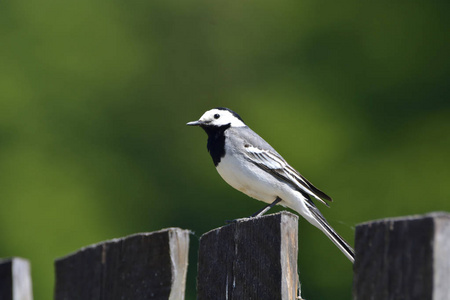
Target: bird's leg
261, 211
266, 208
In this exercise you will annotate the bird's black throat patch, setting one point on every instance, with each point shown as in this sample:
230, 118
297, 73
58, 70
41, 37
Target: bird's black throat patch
216, 141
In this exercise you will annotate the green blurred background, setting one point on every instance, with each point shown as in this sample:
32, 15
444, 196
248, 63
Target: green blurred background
95, 95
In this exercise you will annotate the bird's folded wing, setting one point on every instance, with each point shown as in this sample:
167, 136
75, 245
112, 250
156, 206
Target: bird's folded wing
274, 164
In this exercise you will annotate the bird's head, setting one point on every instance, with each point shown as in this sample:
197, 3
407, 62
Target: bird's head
218, 117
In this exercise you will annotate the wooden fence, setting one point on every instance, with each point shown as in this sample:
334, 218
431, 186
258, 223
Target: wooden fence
401, 258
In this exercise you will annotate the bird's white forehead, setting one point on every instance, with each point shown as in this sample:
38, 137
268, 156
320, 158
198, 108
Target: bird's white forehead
225, 117
212, 112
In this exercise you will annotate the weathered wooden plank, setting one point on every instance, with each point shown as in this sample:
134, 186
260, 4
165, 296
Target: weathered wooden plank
403, 258
15, 279
141, 266
252, 258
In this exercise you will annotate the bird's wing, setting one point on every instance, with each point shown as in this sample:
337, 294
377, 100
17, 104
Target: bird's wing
274, 164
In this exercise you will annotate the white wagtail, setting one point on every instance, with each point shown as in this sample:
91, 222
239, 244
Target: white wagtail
249, 164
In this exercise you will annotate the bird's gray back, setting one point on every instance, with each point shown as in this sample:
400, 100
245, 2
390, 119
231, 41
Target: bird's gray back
241, 136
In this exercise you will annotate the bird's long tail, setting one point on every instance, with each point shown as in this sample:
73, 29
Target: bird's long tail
331, 233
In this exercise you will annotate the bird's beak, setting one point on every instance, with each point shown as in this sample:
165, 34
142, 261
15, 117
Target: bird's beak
194, 123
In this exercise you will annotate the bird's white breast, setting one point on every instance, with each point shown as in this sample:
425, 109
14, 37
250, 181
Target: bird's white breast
246, 177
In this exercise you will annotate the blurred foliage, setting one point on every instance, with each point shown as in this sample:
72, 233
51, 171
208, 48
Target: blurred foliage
96, 94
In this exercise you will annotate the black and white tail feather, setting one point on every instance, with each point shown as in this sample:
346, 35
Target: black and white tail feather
273, 163
249, 164
332, 234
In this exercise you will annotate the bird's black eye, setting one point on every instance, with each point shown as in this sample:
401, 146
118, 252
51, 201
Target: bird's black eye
216, 116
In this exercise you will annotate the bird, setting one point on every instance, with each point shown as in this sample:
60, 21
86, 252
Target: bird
251, 165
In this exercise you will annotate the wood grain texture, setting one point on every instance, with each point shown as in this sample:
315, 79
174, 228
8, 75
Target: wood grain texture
141, 266
403, 258
15, 279
252, 258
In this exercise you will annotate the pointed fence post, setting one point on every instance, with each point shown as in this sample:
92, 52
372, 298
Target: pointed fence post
141, 266
403, 258
15, 279
252, 258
